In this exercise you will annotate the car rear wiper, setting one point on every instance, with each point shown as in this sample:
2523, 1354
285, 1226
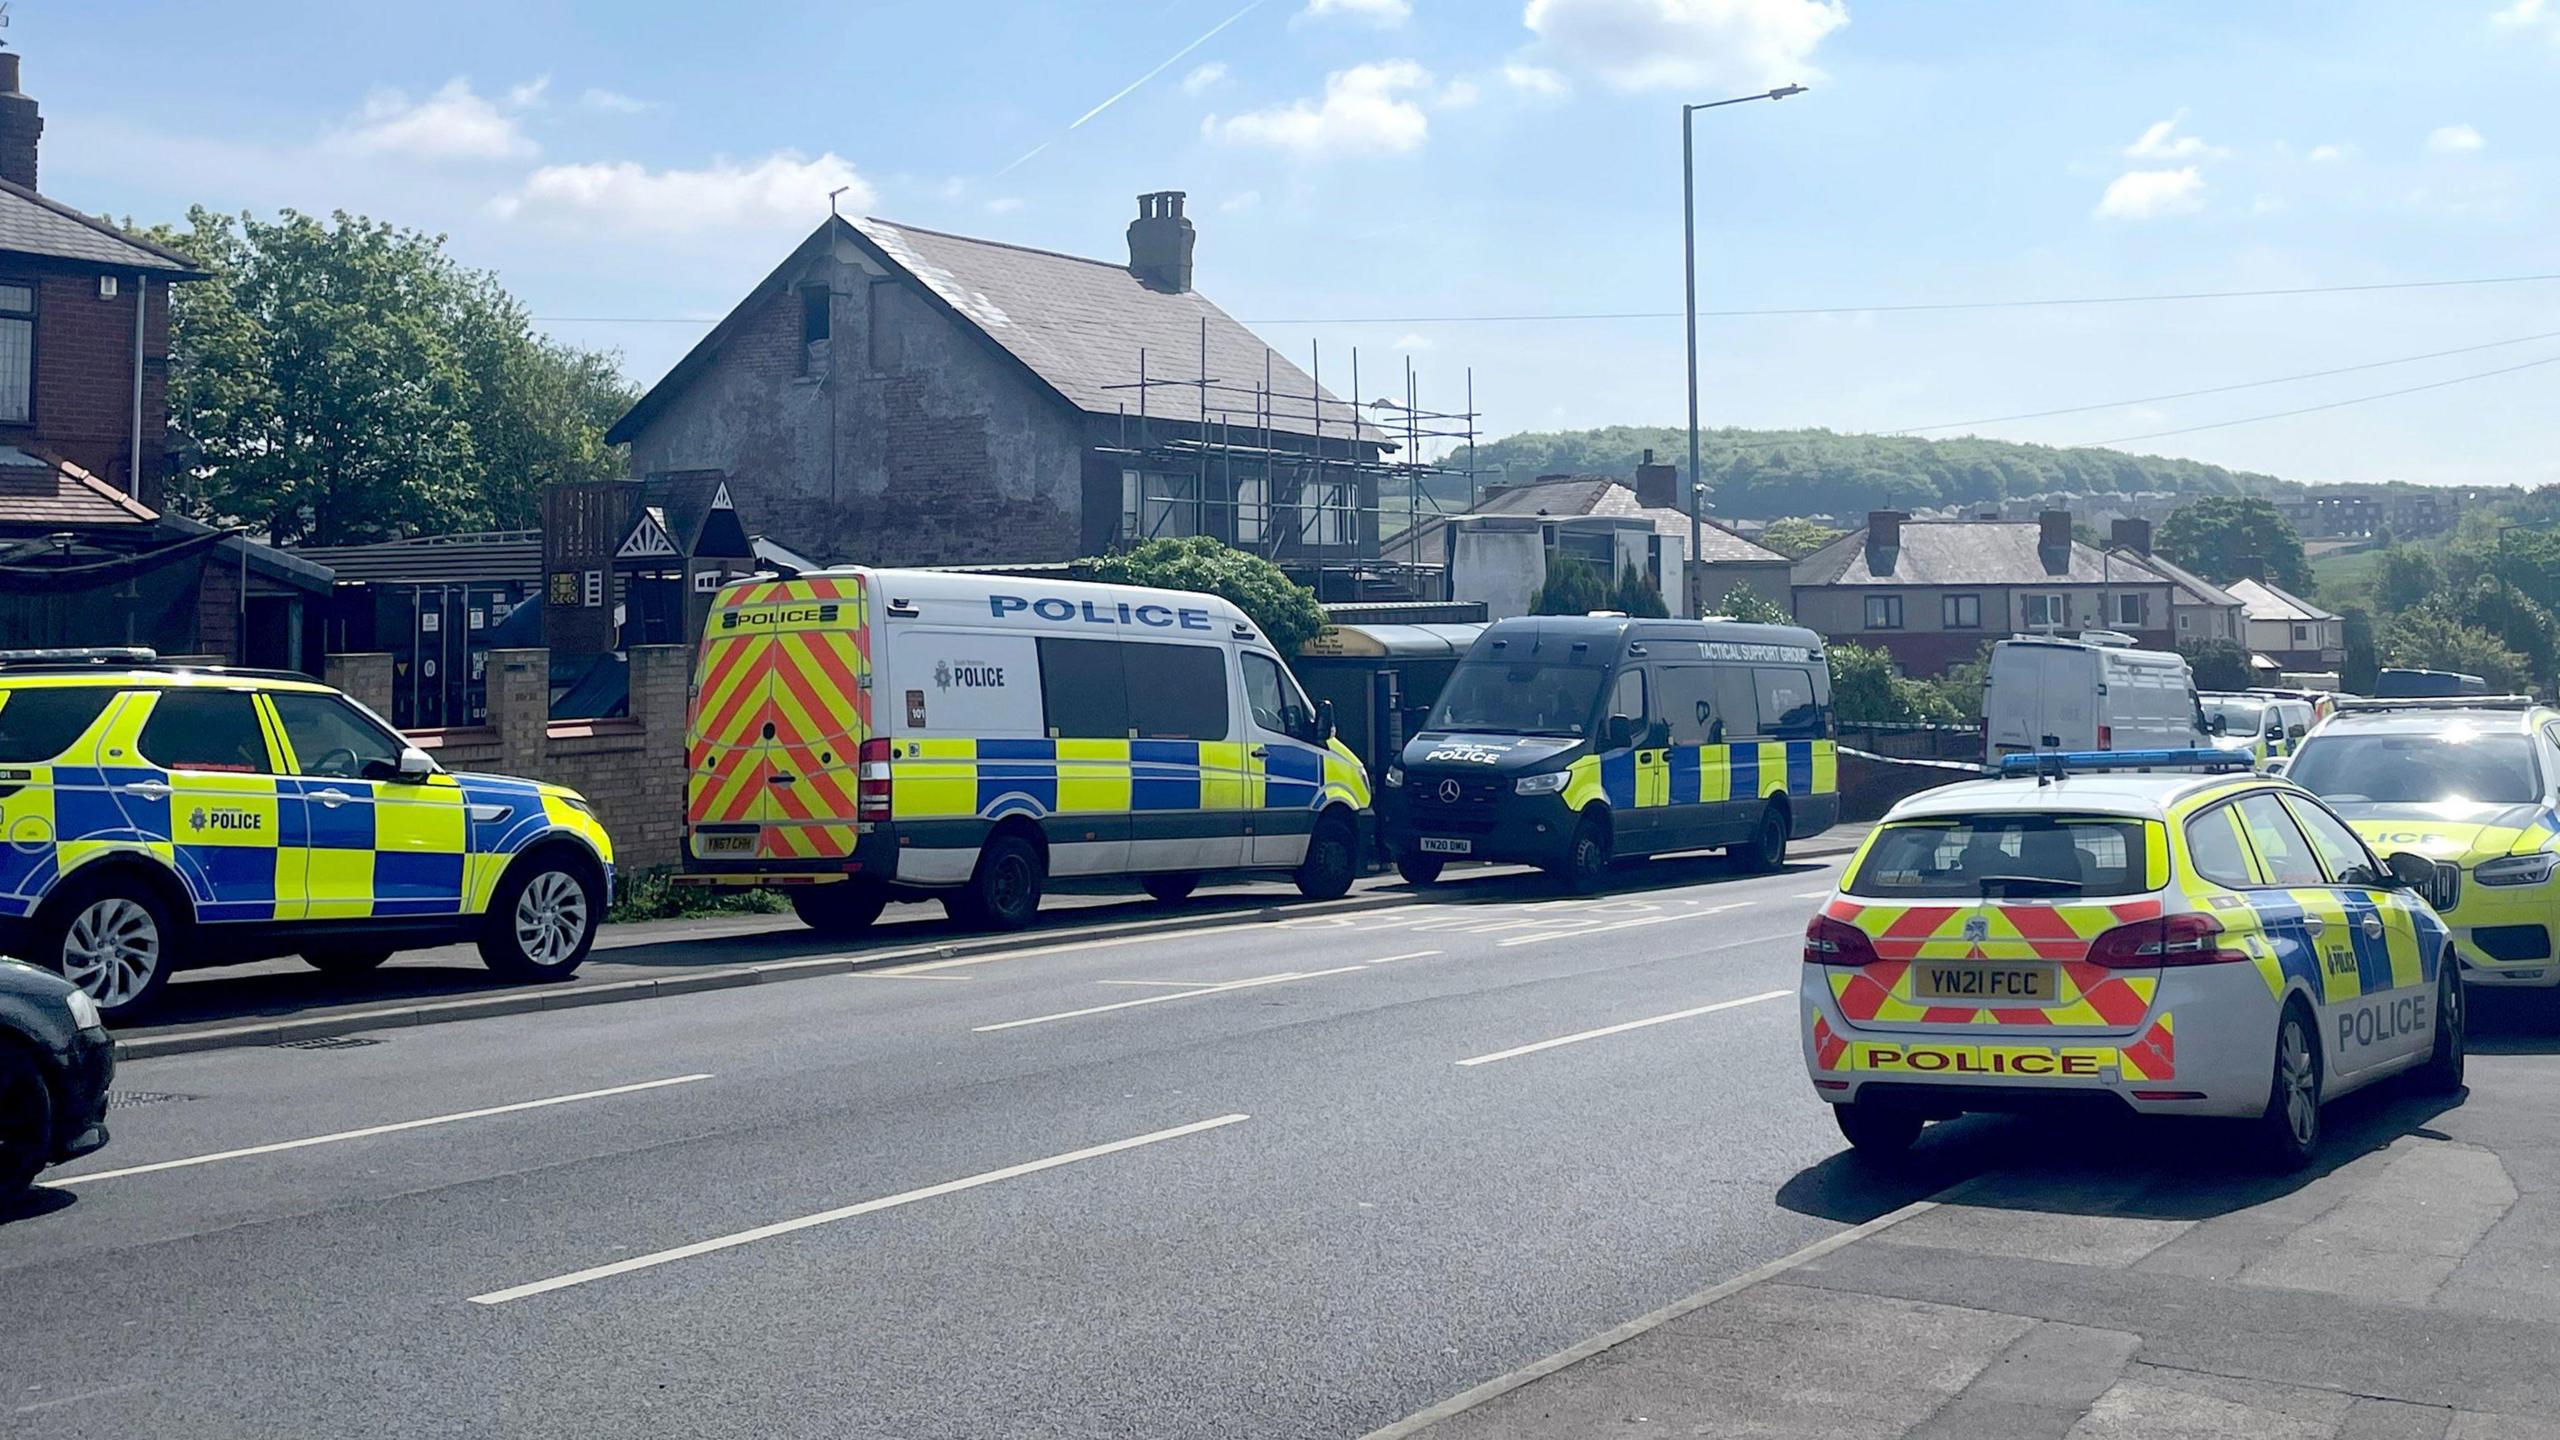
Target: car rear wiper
2007, 885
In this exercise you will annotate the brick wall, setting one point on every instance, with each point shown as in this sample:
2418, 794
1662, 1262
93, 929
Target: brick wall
82, 400
632, 770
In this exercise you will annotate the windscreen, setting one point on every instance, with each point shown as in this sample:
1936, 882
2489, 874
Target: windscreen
2005, 857
2239, 717
1505, 698
2419, 769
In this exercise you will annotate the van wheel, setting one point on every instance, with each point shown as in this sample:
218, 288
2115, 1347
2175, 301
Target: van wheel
1170, 888
2442, 1074
2289, 1131
1003, 893
352, 960
1874, 1130
1585, 868
1330, 864
113, 937
1418, 868
542, 921
844, 908
1768, 848
26, 1121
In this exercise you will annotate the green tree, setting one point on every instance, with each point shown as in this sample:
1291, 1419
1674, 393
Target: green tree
2409, 577
1574, 586
2218, 664
1286, 612
1638, 596
2227, 537
1744, 603
348, 380
2519, 623
1796, 537
2433, 637
1867, 686
2363, 664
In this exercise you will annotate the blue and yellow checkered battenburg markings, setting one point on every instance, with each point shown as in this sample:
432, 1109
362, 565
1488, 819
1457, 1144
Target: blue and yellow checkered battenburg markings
990, 779
1709, 774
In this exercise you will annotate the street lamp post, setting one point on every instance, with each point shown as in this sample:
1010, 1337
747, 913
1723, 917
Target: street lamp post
1689, 257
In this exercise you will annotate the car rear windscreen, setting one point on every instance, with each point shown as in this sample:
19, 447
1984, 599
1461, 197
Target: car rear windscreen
2005, 857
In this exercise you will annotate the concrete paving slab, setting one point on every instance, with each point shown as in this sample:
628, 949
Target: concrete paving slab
2515, 1269
2474, 1425
2111, 1240
2038, 1388
2151, 1403
2400, 1236
2370, 1419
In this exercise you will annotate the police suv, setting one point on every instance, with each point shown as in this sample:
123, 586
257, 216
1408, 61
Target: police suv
2472, 782
2200, 941
161, 816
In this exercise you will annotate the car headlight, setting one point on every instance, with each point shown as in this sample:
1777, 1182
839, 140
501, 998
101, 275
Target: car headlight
2517, 869
1395, 777
1551, 783
84, 1012
579, 804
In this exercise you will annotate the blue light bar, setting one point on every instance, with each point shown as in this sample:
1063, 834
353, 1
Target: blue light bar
2089, 762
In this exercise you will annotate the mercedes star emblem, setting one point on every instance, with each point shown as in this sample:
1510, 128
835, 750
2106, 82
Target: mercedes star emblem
1450, 790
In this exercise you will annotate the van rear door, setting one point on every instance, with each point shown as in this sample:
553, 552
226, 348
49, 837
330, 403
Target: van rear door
2039, 691
781, 707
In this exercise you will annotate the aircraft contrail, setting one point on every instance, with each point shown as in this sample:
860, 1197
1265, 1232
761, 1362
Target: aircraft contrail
1124, 92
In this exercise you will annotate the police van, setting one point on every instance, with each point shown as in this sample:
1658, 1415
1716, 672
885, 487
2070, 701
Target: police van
860, 736
1570, 742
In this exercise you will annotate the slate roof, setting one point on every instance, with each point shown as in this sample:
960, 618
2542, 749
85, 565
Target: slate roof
1971, 552
487, 555
57, 495
31, 224
1565, 497
1076, 325
2262, 601
2198, 590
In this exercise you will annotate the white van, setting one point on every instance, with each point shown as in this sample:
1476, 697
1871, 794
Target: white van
2094, 693
861, 736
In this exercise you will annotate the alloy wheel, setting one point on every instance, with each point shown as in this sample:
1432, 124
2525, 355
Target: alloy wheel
112, 950
551, 918
2301, 1082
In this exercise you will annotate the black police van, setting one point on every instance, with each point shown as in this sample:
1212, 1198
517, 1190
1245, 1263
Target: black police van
1570, 742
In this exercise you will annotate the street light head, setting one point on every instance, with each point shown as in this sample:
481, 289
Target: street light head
1783, 91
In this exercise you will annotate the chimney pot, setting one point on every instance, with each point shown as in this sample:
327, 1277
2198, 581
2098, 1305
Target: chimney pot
1160, 243
2056, 530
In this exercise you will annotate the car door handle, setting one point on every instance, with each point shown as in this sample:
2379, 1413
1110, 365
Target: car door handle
1260, 752
2371, 925
332, 797
153, 788
2313, 924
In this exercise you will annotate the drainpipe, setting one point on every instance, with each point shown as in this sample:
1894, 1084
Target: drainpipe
133, 467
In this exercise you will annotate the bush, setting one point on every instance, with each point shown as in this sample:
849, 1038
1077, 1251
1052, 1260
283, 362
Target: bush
1866, 687
2432, 637
2219, 664
652, 895
1286, 612
1744, 603
1638, 596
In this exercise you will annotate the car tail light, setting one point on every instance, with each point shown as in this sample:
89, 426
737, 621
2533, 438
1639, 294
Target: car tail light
2183, 939
2106, 737
871, 787
1836, 942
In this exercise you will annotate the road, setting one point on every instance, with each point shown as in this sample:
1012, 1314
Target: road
1286, 1179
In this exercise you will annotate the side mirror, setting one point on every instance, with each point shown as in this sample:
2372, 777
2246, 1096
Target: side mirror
2276, 766
2298, 731
1618, 732
415, 767
1324, 722
2218, 725
2415, 872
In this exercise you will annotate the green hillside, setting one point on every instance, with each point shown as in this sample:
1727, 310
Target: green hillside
1763, 474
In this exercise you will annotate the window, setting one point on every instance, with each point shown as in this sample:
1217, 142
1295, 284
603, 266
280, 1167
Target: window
1789, 707
2395, 769
1627, 698
1252, 504
1175, 692
1153, 505
2301, 634
38, 724
2182, 621
1961, 612
332, 738
1687, 693
17, 352
2345, 857
2216, 849
817, 315
1498, 698
2129, 611
2047, 609
205, 730
1083, 692
1274, 698
2279, 843
1992, 856
1884, 612
1323, 523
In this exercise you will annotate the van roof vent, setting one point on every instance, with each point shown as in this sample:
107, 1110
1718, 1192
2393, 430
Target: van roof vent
2108, 637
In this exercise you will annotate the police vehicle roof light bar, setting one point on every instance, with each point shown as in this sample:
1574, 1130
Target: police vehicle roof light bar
2054, 764
2439, 702
87, 654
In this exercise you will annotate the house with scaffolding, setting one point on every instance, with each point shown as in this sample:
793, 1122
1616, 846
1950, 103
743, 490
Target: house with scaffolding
896, 395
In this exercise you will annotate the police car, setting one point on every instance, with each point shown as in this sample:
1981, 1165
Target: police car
160, 816
2472, 782
2204, 941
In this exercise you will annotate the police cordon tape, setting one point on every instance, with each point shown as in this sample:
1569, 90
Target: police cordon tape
1960, 766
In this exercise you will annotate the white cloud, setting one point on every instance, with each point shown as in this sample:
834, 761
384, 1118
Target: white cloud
1381, 13
2267, 205
1458, 94
455, 123
1240, 202
1365, 110
2523, 12
2163, 142
2149, 194
2329, 154
528, 94
1204, 78
1004, 205
611, 102
1535, 80
1686, 44
2454, 139
1411, 340
782, 190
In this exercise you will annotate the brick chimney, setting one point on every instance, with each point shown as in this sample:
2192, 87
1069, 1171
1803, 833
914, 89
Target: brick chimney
2054, 528
21, 126
1884, 540
2132, 534
1658, 486
1160, 242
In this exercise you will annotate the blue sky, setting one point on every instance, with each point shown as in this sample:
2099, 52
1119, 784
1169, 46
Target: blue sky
1371, 165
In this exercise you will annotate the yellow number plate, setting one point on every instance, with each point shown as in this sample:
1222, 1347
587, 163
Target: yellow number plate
1991, 984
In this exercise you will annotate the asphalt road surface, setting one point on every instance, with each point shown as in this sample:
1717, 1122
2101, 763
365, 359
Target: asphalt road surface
1270, 1179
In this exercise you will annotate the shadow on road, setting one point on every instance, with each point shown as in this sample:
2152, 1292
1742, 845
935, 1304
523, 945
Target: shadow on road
42, 1200
2514, 1022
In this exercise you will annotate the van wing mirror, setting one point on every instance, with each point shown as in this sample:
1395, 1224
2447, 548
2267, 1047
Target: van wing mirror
2298, 731
414, 767
1657, 735
1324, 722
1618, 732
2218, 725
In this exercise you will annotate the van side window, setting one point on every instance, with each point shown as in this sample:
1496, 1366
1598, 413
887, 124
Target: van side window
1788, 709
1082, 693
1627, 698
1275, 703
1737, 704
205, 730
1176, 692
1688, 701
38, 724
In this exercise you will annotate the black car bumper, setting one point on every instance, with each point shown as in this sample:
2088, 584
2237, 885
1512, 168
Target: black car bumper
1487, 817
87, 1069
